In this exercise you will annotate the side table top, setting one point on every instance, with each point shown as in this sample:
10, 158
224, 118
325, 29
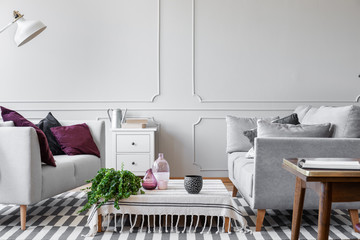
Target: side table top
291, 166
147, 129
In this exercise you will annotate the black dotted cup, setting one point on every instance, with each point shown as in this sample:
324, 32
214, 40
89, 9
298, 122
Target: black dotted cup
193, 183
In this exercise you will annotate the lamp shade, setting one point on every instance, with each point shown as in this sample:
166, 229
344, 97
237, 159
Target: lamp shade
27, 30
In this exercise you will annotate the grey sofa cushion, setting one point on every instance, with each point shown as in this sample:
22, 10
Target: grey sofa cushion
245, 176
231, 158
85, 166
242, 173
252, 133
266, 129
71, 171
57, 179
236, 140
345, 120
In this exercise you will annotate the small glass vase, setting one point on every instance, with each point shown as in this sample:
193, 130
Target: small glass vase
161, 171
149, 180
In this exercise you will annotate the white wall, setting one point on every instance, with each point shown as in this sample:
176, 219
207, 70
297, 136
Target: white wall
186, 63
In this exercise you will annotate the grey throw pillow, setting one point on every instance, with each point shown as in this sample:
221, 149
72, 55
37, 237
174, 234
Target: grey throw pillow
345, 120
236, 140
291, 119
266, 129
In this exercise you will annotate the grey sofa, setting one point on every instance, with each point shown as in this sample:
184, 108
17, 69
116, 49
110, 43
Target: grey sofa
24, 180
265, 185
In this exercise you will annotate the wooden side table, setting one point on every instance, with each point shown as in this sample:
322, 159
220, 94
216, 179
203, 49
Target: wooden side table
331, 186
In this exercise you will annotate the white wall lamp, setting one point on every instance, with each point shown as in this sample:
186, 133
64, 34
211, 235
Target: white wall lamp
26, 29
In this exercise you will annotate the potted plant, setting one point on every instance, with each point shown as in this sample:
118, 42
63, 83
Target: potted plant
109, 184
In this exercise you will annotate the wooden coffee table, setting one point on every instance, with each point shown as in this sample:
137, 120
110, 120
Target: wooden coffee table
331, 186
213, 201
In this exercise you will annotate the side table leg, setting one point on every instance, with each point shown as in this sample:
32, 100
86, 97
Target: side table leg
227, 225
99, 223
300, 188
324, 211
354, 216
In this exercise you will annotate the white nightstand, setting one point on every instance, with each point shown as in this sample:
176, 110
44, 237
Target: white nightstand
135, 148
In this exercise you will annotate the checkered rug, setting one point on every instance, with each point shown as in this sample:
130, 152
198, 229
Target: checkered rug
57, 218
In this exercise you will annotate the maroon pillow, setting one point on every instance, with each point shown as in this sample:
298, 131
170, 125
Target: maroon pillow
20, 121
75, 139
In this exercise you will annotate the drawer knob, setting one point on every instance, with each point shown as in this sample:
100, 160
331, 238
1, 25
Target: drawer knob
133, 163
133, 143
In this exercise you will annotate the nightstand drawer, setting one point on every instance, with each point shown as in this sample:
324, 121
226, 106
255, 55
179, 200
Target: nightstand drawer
133, 143
133, 163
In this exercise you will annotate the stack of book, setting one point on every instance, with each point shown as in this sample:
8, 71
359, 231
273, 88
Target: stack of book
135, 123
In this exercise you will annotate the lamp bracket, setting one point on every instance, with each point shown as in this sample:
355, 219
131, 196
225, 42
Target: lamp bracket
17, 15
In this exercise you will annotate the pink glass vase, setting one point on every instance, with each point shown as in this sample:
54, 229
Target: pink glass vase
149, 180
161, 171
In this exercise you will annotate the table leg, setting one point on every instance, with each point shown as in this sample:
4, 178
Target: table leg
324, 211
300, 188
99, 223
227, 225
354, 216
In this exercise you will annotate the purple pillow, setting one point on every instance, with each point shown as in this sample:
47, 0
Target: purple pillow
75, 139
20, 121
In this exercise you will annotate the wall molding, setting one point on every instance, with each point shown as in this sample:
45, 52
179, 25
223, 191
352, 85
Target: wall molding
194, 144
162, 109
252, 109
202, 100
155, 95
157, 109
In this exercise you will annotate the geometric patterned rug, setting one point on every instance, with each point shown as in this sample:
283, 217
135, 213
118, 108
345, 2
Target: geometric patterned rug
57, 218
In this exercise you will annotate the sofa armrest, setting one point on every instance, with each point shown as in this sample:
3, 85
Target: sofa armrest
20, 166
97, 129
273, 183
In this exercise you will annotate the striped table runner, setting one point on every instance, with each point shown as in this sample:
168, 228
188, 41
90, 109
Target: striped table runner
214, 201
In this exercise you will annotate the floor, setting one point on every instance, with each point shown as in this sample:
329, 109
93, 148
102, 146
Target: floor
58, 218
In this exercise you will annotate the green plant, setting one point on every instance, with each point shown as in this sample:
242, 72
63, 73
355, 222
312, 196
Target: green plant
109, 184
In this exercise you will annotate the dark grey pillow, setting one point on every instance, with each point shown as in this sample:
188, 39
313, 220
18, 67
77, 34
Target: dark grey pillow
291, 119
45, 125
251, 134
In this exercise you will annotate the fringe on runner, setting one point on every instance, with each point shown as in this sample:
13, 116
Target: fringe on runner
191, 228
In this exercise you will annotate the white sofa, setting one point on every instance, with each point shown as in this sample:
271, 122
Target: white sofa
24, 180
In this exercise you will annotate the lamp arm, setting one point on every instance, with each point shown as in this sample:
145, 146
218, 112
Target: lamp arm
7, 26
17, 16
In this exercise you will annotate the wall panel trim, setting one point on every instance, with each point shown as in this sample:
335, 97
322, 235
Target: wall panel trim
202, 100
159, 109
156, 94
194, 144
